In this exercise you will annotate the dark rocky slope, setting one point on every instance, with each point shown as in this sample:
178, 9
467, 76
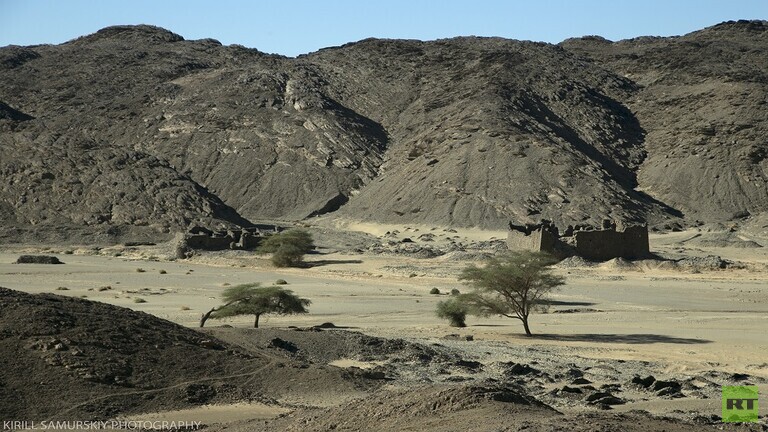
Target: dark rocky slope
483, 131
66, 358
135, 127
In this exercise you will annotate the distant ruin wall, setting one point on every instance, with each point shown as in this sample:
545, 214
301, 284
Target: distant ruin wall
598, 245
537, 241
632, 243
205, 242
203, 239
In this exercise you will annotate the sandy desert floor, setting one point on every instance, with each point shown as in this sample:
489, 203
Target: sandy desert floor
683, 322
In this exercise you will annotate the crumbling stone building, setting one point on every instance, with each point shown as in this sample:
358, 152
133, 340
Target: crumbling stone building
204, 239
602, 244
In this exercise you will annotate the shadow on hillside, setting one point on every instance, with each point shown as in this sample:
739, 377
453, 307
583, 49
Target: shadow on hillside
642, 338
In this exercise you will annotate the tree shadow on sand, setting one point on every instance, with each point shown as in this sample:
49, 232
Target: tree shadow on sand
318, 263
564, 303
640, 338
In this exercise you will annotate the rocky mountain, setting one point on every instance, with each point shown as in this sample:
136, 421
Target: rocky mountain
702, 101
135, 127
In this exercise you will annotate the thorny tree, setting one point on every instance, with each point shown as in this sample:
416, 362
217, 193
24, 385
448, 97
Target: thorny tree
513, 285
252, 299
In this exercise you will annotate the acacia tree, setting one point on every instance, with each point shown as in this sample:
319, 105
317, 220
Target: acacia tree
252, 299
512, 285
288, 248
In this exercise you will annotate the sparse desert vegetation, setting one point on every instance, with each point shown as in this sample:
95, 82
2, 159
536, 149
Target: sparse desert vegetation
288, 248
454, 310
513, 285
253, 299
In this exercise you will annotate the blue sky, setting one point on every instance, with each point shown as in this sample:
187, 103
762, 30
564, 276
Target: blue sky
293, 27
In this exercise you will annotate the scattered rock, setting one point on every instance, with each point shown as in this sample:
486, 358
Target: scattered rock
326, 325
739, 377
670, 392
468, 364
283, 345
458, 337
374, 375
604, 398
658, 385
596, 396
643, 382
520, 369
574, 390
574, 373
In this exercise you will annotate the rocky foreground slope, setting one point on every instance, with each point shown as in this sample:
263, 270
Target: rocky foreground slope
67, 358
133, 126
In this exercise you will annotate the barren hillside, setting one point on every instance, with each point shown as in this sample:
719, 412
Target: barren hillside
135, 128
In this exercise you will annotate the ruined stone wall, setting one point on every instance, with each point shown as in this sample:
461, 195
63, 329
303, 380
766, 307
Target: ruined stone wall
206, 242
537, 241
202, 239
600, 245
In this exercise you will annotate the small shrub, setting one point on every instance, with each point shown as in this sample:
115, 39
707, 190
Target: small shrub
140, 270
185, 308
226, 284
69, 252
434, 291
412, 275
105, 288
62, 289
38, 259
454, 311
288, 248
455, 292
281, 282
163, 272
139, 300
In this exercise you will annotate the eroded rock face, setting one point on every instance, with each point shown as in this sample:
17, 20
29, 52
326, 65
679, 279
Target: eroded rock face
699, 102
134, 126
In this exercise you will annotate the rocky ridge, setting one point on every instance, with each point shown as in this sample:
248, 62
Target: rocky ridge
135, 128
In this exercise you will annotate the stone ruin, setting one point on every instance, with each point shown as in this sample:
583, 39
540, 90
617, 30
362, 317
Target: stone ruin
201, 238
608, 242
